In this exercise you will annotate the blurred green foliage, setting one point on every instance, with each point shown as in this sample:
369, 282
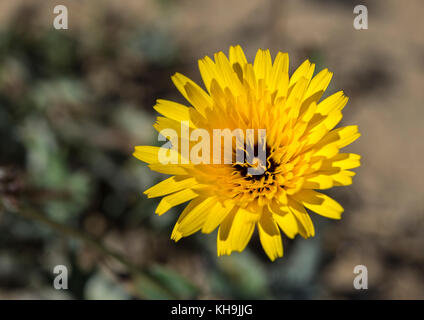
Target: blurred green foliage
72, 107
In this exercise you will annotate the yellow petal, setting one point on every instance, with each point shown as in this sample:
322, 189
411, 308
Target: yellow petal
151, 155
229, 77
170, 185
285, 220
327, 151
262, 65
315, 136
332, 119
307, 110
235, 231
198, 98
320, 203
295, 97
172, 169
270, 236
337, 139
299, 211
237, 55
279, 78
148, 154
342, 161
237, 60
318, 181
336, 101
288, 224
193, 217
305, 70
173, 110
163, 123
192, 92
343, 178
249, 76
346, 135
218, 214
208, 72
174, 200
319, 84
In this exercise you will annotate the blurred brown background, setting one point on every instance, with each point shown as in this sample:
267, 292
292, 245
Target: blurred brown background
73, 103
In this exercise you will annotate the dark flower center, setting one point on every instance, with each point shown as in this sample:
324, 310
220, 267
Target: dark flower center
267, 168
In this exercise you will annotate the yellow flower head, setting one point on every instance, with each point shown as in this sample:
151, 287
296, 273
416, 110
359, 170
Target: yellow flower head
278, 115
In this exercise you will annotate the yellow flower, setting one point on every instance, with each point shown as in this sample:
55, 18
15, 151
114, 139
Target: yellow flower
302, 151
